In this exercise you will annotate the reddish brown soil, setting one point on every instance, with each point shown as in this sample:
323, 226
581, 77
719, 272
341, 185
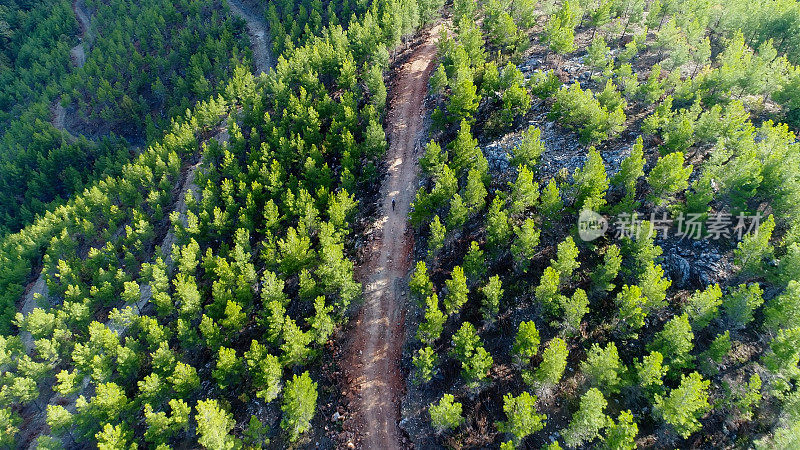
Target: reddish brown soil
373, 365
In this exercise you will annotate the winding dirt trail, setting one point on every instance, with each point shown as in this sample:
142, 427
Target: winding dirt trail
257, 29
78, 56
373, 365
78, 53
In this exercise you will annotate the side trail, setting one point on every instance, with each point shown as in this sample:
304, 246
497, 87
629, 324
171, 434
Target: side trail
376, 341
259, 37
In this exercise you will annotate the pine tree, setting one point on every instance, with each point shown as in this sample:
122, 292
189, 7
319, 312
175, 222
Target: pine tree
433, 160
492, 294
524, 192
684, 405
524, 12
674, 342
476, 368
457, 291
574, 309
115, 437
295, 346
654, 286
466, 154
719, 349
551, 203
668, 177
601, 14
641, 252
587, 422
632, 307
475, 360
59, 419
108, 403
529, 149
265, 370
560, 31
474, 263
526, 343
475, 191
653, 88
755, 248
465, 340
603, 368
578, 108
160, 427
458, 213
547, 292
498, 229
255, 435
610, 98
295, 251
630, 170
566, 259
184, 380
523, 419
438, 80
789, 265
525, 242
214, 425
605, 274
463, 8
748, 397
464, 97
650, 372
430, 330
298, 406
504, 34
228, 367
425, 362
554, 361
436, 240
703, 306
784, 352
740, 303
597, 55
420, 284
591, 183
783, 311
621, 435
445, 415
321, 323
9, 422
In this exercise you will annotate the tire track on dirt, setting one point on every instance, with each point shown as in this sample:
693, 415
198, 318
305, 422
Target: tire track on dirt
373, 365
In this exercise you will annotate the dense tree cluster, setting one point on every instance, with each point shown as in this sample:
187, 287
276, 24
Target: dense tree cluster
238, 277
635, 353
142, 68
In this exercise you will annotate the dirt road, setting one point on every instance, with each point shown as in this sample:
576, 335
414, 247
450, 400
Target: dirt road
259, 38
374, 359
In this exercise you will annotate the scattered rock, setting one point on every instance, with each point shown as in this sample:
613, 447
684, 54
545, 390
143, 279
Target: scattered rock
678, 269
497, 156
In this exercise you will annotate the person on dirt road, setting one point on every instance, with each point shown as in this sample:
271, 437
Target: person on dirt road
392, 203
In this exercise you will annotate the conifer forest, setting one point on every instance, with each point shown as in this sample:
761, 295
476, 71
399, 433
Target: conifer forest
399, 224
